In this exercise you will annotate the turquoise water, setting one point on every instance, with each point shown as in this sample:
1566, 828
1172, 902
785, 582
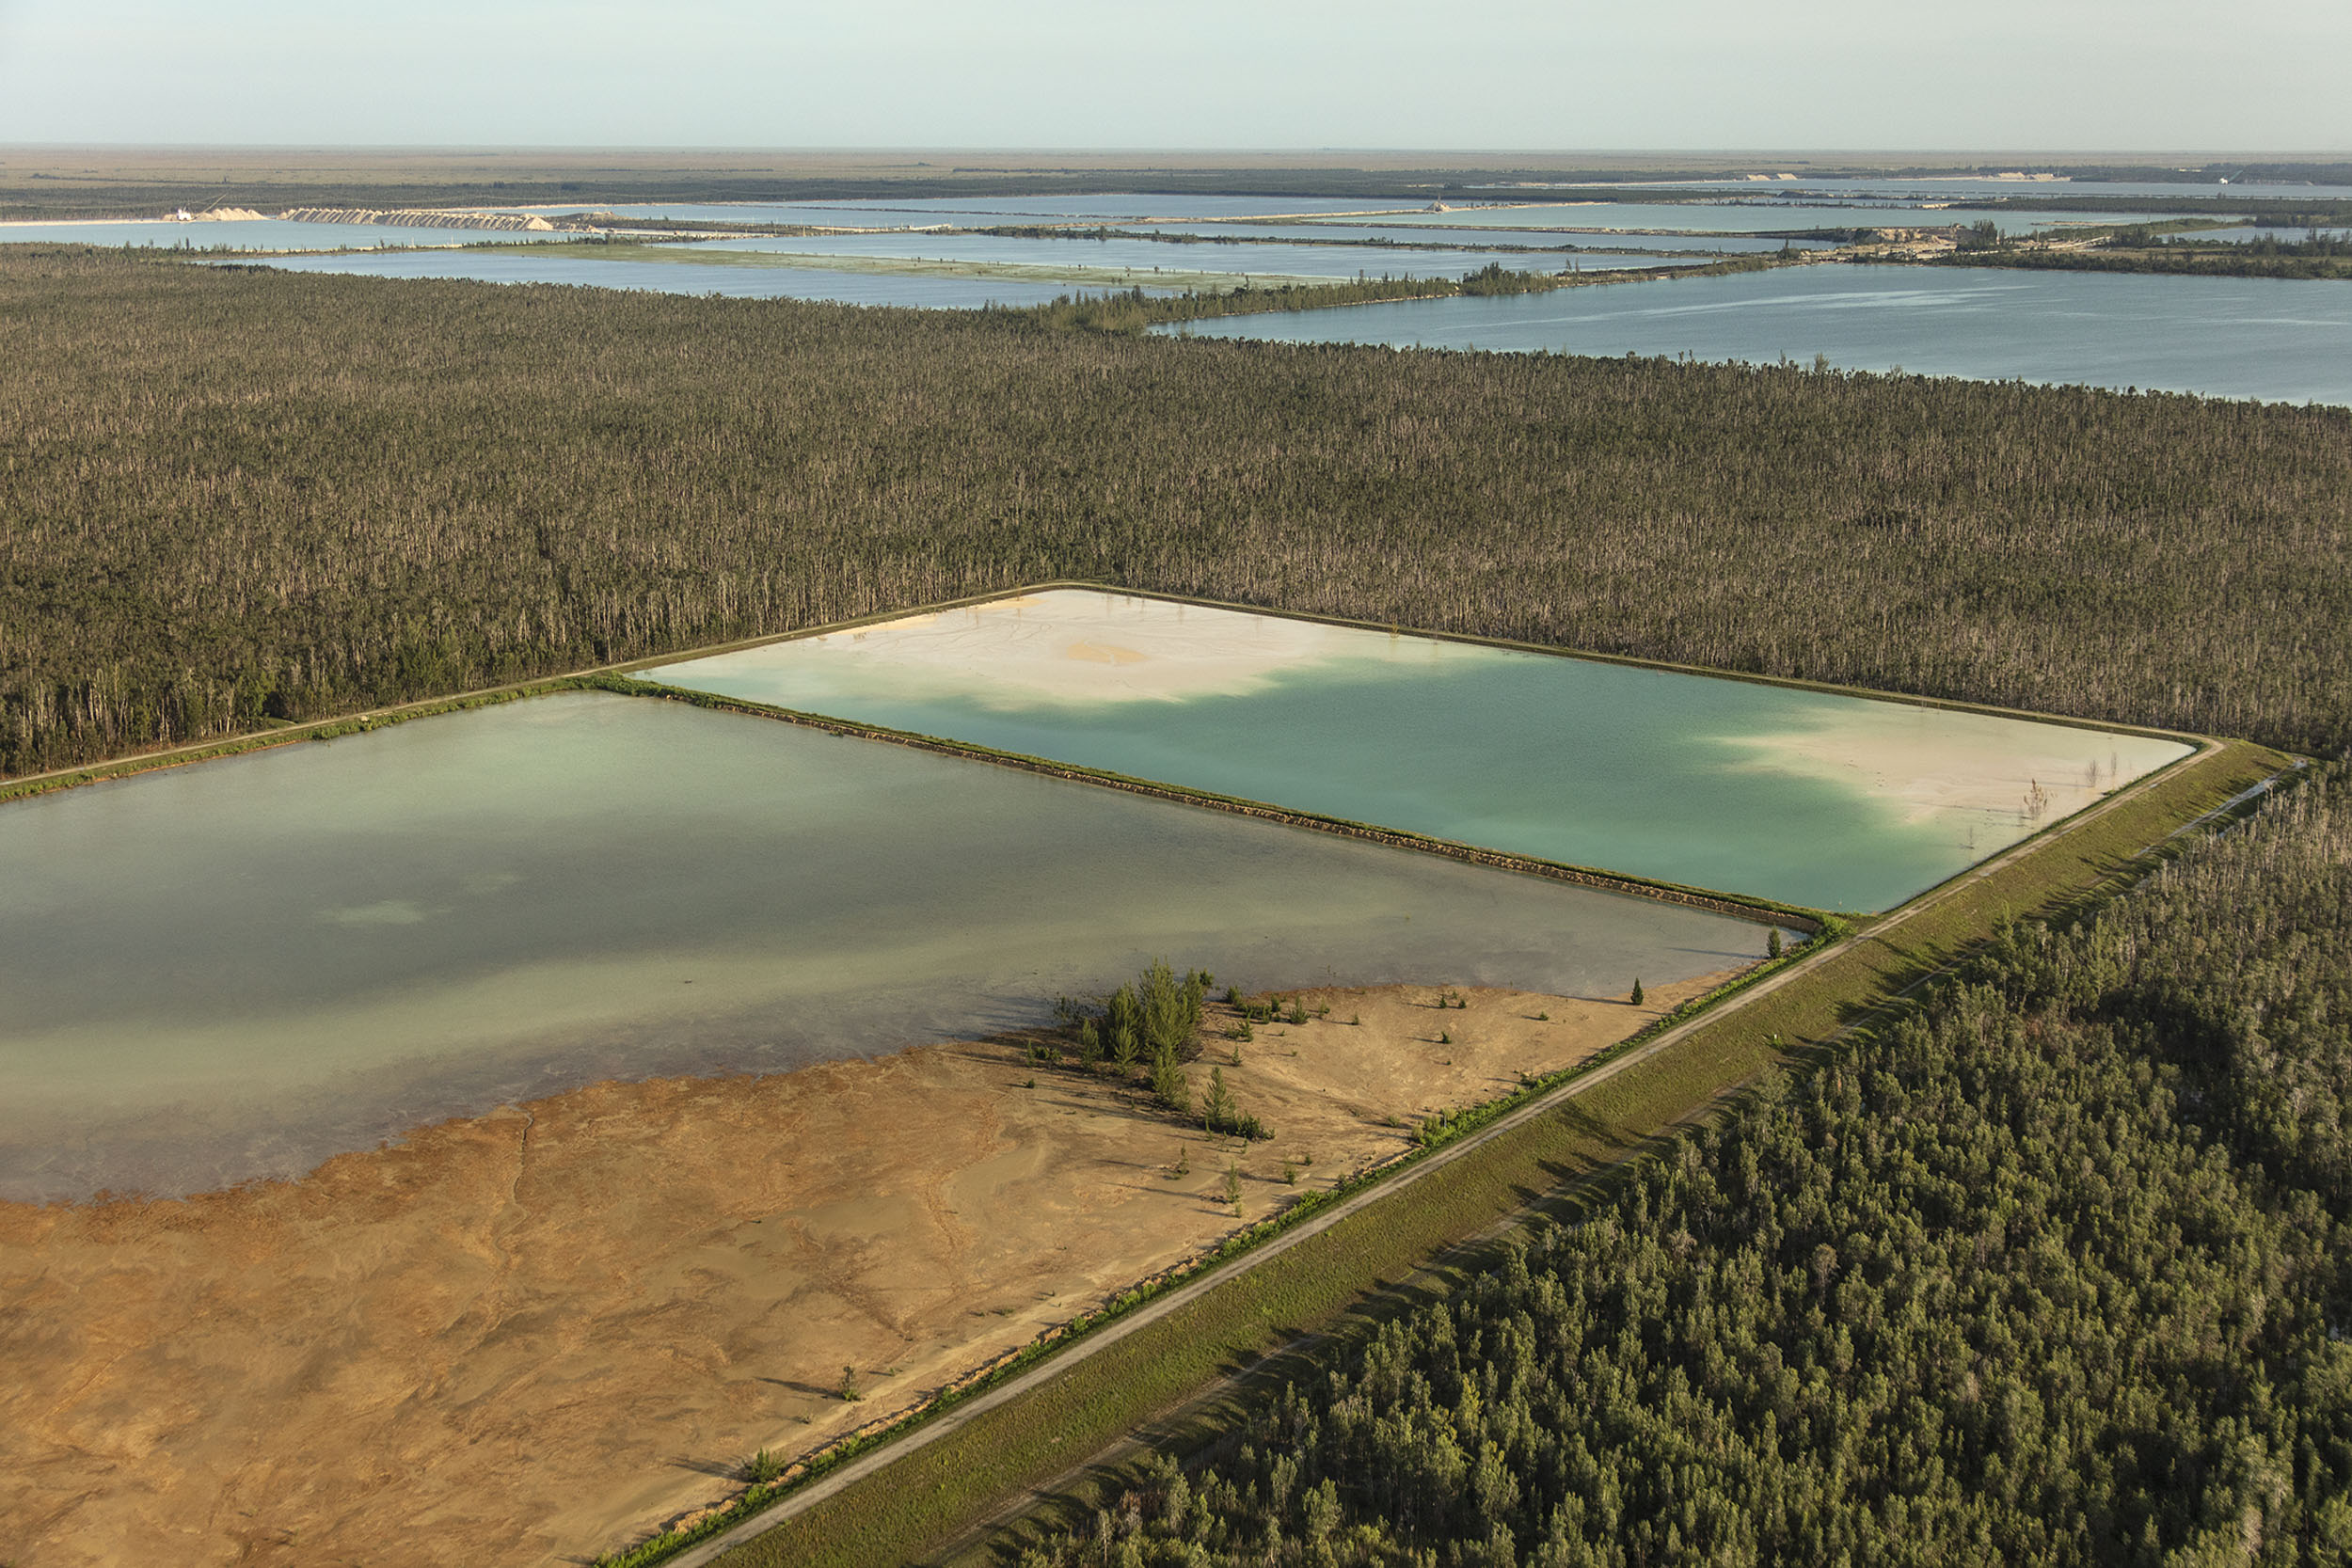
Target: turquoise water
2279, 340
686, 277
238, 967
1804, 796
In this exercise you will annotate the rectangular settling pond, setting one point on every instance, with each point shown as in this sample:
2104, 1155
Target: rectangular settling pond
1808, 798
238, 967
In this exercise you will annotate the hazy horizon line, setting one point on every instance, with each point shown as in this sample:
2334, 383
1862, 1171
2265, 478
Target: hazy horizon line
2043, 154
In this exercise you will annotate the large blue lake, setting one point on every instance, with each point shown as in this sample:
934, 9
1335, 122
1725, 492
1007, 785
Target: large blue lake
2222, 337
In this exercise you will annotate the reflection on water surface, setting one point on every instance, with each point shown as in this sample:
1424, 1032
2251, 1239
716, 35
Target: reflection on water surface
238, 967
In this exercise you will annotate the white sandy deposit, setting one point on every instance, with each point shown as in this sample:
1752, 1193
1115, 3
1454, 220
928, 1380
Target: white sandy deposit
2012, 776
1069, 646
210, 214
1987, 780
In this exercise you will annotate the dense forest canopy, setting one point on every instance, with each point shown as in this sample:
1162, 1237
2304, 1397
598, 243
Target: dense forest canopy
2058, 1272
238, 495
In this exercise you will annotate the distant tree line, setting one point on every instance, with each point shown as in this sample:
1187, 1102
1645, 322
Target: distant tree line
2056, 1271
2263, 174
2317, 256
234, 496
132, 194
2285, 209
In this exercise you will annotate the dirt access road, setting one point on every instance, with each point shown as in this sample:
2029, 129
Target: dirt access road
805, 1499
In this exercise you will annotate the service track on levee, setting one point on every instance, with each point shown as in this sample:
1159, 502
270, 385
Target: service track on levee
2247, 768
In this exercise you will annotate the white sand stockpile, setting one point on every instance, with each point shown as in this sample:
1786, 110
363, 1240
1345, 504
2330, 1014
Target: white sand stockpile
1076, 647
1930, 763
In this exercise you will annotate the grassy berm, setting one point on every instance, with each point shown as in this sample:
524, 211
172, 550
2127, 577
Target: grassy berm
1335, 1284
2055, 1270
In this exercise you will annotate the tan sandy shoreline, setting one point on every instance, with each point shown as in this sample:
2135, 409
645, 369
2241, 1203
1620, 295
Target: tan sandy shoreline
1074, 646
2001, 777
532, 1336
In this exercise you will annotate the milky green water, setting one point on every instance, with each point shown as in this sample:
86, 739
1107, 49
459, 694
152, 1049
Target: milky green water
238, 967
1809, 797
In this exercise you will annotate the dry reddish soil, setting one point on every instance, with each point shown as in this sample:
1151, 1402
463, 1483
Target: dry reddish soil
529, 1337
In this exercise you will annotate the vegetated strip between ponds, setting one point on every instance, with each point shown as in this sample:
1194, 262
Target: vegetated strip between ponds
1034, 1428
622, 679
1134, 311
1763, 911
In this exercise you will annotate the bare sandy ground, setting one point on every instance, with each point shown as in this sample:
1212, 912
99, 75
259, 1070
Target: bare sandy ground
1072, 645
532, 1336
2018, 774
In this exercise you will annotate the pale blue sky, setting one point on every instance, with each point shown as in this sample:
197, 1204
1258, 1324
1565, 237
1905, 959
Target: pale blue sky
1997, 74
